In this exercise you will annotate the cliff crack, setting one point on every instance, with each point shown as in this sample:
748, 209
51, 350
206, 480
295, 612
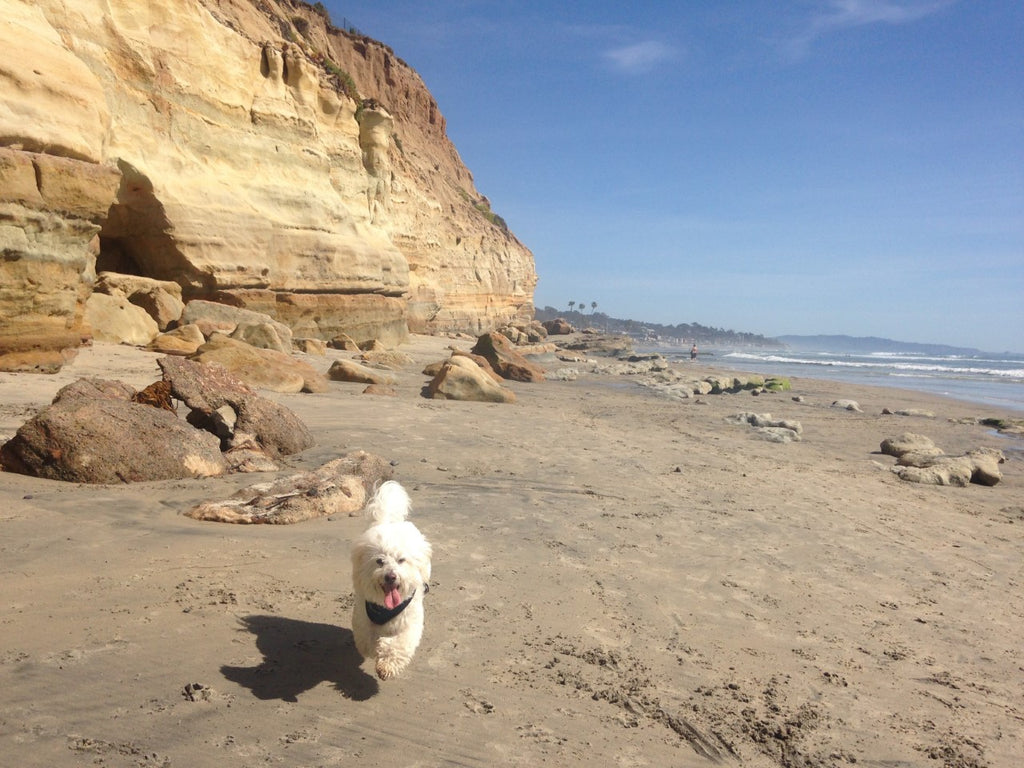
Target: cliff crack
39, 177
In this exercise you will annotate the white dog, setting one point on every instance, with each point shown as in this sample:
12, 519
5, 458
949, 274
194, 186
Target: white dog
390, 574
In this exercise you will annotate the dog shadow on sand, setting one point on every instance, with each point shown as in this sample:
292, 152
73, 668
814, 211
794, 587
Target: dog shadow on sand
298, 656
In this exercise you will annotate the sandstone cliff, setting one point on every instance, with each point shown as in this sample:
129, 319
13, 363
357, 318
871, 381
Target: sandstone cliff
246, 150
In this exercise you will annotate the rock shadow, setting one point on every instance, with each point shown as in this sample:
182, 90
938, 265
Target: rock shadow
298, 656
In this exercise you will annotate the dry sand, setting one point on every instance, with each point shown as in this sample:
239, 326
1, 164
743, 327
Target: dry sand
620, 579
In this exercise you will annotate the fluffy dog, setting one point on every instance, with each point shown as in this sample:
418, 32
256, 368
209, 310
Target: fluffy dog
390, 575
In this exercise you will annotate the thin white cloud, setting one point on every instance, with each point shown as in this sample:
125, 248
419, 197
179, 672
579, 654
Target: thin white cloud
840, 15
640, 57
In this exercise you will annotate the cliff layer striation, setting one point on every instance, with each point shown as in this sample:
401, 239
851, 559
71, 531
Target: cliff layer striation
248, 151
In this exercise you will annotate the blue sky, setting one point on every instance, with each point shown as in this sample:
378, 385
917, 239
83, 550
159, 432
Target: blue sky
803, 166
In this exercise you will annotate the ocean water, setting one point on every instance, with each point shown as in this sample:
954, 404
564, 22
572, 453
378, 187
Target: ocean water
992, 379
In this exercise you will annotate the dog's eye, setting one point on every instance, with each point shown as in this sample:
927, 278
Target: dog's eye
401, 560
380, 561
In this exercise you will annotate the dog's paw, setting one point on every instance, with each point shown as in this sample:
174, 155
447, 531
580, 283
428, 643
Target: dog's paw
387, 670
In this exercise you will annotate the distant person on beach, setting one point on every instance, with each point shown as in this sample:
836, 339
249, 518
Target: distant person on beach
693, 352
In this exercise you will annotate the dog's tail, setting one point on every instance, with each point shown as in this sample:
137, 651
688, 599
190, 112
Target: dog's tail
390, 504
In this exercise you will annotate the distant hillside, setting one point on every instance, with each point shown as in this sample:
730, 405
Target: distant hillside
683, 333
861, 344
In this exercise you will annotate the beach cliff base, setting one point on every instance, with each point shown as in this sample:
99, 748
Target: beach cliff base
620, 578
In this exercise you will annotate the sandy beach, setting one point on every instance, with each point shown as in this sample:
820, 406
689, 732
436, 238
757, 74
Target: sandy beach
620, 579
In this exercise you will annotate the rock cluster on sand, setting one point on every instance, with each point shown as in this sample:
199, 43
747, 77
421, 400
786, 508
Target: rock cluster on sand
478, 374
260, 367
94, 432
99, 431
919, 460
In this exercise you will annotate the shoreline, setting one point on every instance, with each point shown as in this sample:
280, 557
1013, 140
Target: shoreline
620, 578
944, 378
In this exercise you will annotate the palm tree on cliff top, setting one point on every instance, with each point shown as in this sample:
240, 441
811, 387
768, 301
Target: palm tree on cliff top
571, 305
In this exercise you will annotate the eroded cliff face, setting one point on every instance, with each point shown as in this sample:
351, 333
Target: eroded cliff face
220, 144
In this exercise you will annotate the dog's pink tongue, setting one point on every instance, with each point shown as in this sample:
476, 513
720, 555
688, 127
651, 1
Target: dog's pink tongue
392, 599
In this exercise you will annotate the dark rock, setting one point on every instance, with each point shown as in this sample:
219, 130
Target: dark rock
92, 433
205, 388
558, 327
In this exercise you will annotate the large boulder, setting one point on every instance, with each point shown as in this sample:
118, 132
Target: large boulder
310, 346
183, 340
349, 370
919, 460
93, 432
600, 345
263, 336
558, 327
207, 388
505, 360
114, 318
979, 466
160, 299
722, 383
462, 379
909, 442
261, 368
254, 328
986, 463
480, 360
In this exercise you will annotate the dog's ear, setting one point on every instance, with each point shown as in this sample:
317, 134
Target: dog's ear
361, 550
423, 563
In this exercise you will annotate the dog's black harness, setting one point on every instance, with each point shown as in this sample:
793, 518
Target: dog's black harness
380, 615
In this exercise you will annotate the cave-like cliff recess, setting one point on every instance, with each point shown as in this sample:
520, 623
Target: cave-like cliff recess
246, 150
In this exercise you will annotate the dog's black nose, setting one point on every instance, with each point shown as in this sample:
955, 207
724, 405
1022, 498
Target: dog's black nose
390, 577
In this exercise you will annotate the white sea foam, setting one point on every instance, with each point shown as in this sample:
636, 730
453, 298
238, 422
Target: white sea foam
986, 378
